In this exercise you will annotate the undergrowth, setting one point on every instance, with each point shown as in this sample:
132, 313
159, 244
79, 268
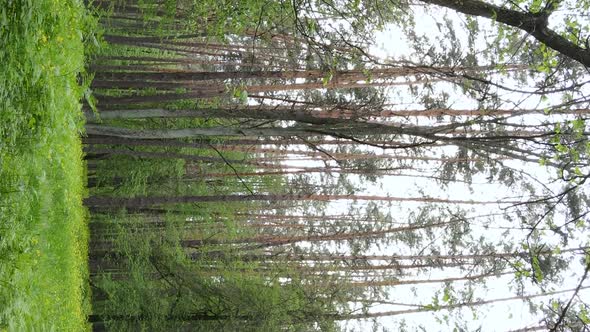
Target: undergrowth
43, 225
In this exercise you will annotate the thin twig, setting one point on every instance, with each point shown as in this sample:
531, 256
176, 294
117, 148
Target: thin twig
233, 168
569, 303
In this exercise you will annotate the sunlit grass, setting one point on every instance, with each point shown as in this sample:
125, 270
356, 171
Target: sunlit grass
43, 225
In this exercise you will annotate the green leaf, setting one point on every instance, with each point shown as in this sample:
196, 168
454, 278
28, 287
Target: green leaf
535, 6
3, 18
91, 100
430, 307
32, 122
327, 78
578, 125
537, 269
36, 74
311, 26
447, 295
584, 315
243, 96
561, 148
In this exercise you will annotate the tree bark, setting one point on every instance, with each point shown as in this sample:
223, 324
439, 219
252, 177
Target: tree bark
143, 202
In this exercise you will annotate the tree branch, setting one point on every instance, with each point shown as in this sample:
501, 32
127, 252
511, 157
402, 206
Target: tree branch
533, 23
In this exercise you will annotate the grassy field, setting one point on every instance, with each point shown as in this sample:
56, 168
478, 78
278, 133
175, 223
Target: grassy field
43, 225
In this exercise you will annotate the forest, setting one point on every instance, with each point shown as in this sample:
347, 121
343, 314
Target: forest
302, 165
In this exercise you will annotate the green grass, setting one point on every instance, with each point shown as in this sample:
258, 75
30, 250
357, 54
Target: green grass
43, 225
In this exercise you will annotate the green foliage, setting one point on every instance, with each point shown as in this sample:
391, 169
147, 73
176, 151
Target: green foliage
156, 286
570, 149
43, 234
215, 18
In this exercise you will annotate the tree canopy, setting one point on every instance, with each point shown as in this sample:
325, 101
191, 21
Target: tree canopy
312, 165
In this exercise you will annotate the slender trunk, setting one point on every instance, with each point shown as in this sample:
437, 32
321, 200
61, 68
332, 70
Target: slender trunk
143, 202
382, 283
451, 306
281, 240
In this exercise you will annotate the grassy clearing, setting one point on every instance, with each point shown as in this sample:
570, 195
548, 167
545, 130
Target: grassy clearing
43, 228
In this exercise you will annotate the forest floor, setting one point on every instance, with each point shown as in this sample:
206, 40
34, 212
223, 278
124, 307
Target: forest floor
43, 224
